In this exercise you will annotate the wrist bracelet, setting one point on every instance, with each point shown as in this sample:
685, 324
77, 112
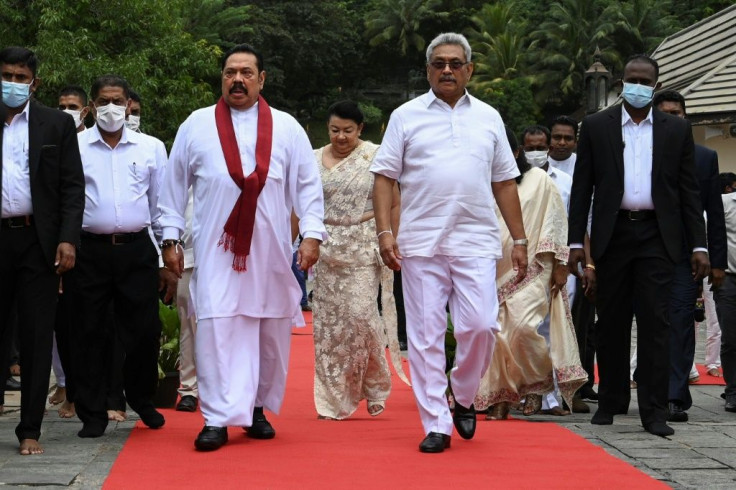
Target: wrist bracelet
521, 241
562, 262
170, 243
384, 231
590, 266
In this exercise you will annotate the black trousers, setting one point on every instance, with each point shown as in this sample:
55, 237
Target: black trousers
634, 277
583, 318
124, 277
725, 298
682, 333
26, 278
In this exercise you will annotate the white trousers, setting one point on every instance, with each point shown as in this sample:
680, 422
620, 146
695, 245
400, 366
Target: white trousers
468, 284
59, 371
713, 330
241, 363
188, 332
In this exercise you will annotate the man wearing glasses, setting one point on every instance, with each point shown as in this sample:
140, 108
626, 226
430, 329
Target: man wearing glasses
450, 153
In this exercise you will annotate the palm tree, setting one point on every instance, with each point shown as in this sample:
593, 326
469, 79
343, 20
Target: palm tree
640, 25
400, 21
566, 41
498, 41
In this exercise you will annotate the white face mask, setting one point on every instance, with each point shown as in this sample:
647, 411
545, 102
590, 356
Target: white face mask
133, 122
536, 158
77, 115
111, 117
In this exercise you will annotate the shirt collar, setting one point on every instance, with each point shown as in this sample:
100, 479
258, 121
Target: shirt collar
22, 114
127, 137
429, 98
626, 117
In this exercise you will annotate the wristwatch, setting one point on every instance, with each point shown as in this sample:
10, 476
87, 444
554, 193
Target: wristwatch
521, 241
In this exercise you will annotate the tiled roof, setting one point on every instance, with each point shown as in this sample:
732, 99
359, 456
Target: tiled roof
700, 63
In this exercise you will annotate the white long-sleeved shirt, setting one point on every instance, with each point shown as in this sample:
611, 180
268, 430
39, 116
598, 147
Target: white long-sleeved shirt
16, 194
445, 159
267, 288
637, 139
121, 184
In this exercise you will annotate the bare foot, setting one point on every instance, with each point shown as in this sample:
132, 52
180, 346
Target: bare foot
117, 415
15, 370
30, 446
67, 410
58, 396
714, 371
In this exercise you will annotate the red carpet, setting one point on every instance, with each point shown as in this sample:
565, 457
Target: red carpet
364, 452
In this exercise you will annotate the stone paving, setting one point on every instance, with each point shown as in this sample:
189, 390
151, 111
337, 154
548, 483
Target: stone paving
701, 454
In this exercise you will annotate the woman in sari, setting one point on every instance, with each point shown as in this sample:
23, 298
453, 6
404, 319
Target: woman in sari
524, 366
350, 335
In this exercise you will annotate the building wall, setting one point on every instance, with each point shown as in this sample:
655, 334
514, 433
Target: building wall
719, 139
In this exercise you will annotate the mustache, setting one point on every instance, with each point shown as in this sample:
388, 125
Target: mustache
238, 86
447, 79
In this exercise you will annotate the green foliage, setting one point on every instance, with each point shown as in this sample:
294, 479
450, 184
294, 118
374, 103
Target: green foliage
400, 21
514, 99
371, 113
321, 50
168, 357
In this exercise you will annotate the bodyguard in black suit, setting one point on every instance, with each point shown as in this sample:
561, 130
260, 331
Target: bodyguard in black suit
42, 206
684, 289
639, 162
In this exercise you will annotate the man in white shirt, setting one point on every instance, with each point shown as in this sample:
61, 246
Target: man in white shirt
118, 261
640, 163
41, 204
248, 166
73, 101
450, 153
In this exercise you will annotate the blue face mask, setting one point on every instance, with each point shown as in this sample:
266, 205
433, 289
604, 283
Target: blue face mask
637, 95
16, 94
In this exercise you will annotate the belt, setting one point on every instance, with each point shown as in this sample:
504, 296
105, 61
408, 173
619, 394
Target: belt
116, 238
637, 215
17, 222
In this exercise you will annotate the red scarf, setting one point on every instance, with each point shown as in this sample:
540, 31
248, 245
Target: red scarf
238, 231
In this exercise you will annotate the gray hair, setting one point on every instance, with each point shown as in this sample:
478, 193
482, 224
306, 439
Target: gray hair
449, 38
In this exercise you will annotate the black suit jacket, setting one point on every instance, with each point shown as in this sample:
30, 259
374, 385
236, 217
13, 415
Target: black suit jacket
57, 179
706, 169
600, 166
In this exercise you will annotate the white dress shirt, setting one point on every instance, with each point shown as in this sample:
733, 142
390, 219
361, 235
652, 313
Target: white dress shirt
122, 183
16, 193
637, 139
729, 211
445, 159
564, 185
567, 166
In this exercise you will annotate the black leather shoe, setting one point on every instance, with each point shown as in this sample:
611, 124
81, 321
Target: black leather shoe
150, 416
659, 429
588, 394
602, 418
11, 384
730, 404
188, 403
676, 413
211, 438
435, 443
92, 430
403, 345
261, 428
464, 420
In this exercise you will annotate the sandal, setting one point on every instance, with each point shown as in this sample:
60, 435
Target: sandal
499, 411
375, 409
533, 404
714, 371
